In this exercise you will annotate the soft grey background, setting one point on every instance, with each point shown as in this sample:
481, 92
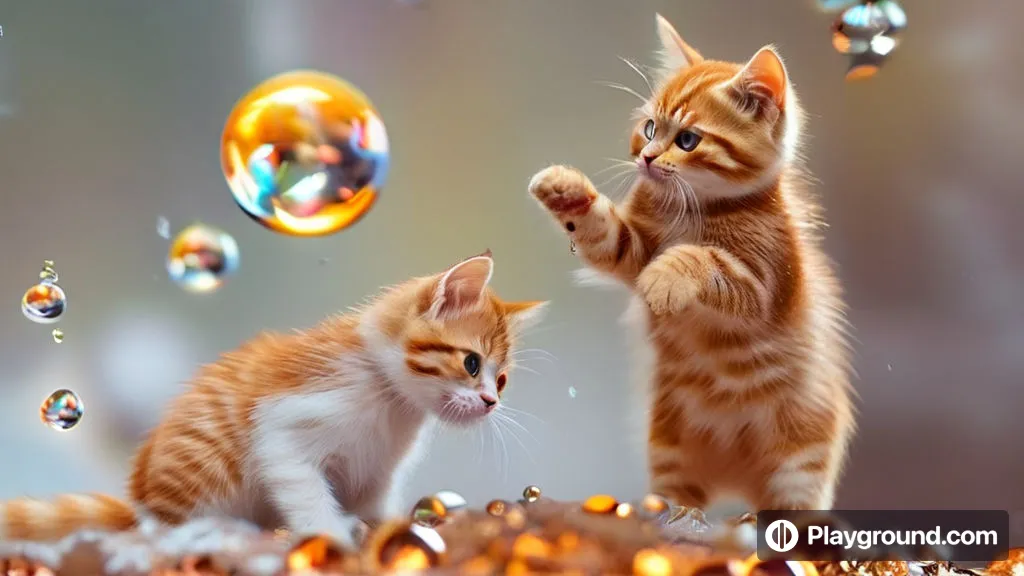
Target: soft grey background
112, 117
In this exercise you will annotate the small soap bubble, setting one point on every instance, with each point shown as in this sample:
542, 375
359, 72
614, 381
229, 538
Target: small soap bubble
44, 303
58, 335
531, 493
62, 410
889, 366
572, 391
163, 228
305, 154
201, 257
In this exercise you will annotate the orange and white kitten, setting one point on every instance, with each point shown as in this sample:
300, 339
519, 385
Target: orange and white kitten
316, 429
750, 391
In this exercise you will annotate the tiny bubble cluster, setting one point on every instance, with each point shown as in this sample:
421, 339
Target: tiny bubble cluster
305, 154
45, 302
201, 258
62, 410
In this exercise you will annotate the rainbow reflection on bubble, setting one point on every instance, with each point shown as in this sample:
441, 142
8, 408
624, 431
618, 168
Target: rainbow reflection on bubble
62, 410
44, 303
305, 154
201, 258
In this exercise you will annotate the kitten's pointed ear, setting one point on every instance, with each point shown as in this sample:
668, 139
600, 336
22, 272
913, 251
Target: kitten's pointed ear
461, 288
764, 77
525, 315
674, 54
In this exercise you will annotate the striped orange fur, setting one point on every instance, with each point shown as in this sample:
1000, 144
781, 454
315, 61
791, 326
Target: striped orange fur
749, 388
313, 430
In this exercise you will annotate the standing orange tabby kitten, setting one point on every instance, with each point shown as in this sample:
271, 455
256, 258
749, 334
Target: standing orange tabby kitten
314, 429
750, 389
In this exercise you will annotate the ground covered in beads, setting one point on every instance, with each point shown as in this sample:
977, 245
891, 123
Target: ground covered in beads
443, 536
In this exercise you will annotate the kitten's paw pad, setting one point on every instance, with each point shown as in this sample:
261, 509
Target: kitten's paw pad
563, 190
664, 291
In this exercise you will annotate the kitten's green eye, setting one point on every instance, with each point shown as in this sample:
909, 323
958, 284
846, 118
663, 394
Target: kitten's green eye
688, 140
472, 364
649, 130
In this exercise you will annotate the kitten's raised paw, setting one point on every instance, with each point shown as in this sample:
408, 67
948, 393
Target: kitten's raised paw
664, 290
563, 190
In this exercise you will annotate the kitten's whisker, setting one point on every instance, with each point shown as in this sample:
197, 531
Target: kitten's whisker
516, 411
625, 89
537, 350
640, 72
527, 369
625, 172
616, 163
512, 421
512, 433
504, 462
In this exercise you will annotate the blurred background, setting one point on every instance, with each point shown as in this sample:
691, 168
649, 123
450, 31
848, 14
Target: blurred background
110, 118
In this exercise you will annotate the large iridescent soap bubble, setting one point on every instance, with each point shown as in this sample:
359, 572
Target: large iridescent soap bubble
305, 154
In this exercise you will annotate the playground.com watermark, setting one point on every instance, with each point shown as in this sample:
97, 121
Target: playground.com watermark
959, 535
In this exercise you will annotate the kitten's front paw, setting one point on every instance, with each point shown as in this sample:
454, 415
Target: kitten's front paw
347, 530
563, 190
663, 289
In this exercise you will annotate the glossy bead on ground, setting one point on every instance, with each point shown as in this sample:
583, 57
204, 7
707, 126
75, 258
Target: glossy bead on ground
305, 153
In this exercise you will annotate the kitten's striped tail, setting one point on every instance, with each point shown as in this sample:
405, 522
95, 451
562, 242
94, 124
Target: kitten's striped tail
49, 520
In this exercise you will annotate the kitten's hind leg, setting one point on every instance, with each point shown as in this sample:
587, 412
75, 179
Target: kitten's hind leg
674, 475
603, 237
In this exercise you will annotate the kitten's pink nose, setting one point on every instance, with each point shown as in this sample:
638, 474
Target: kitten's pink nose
489, 401
649, 159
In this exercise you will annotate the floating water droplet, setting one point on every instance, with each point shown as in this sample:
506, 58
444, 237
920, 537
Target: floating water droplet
531, 493
48, 275
600, 504
305, 154
163, 228
62, 410
429, 511
497, 507
44, 303
58, 335
572, 391
889, 366
201, 257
